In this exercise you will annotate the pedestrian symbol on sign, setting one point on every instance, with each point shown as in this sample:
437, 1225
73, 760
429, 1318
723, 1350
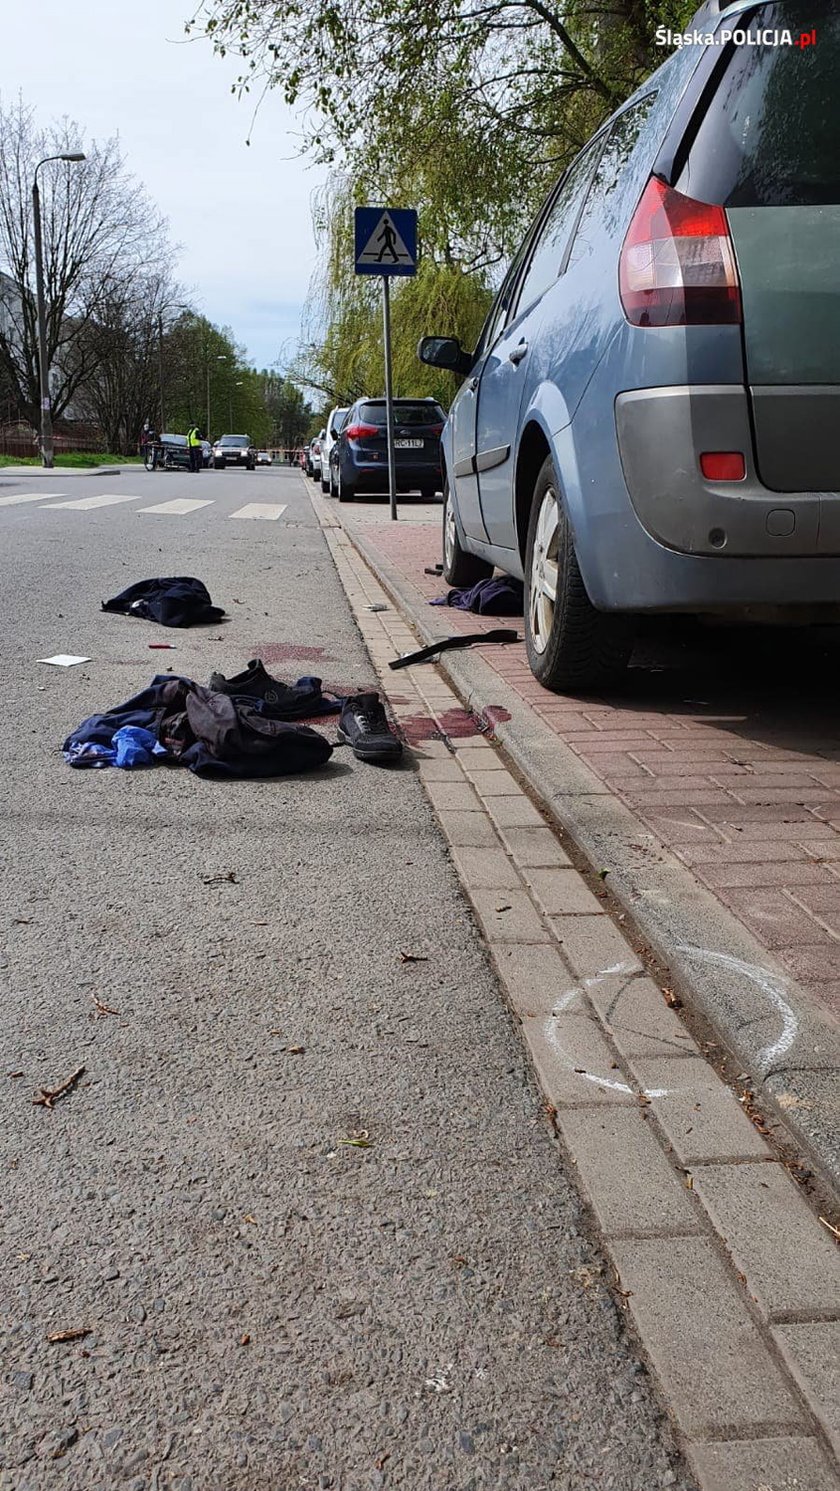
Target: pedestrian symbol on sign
386, 240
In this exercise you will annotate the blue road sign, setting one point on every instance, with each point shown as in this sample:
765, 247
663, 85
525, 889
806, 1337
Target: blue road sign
386, 240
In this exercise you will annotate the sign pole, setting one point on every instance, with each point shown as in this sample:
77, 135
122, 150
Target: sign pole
389, 397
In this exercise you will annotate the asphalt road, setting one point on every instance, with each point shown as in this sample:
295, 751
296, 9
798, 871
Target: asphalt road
267, 1305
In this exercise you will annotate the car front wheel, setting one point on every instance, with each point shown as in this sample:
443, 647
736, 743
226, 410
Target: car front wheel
571, 646
459, 567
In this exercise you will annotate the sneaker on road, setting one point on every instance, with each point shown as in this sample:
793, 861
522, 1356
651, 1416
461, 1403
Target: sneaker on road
282, 701
364, 726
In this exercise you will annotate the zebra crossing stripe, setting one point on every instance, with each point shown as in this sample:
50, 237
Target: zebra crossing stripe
17, 497
84, 504
178, 507
268, 510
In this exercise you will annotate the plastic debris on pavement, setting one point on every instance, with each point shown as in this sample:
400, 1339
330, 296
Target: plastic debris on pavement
63, 660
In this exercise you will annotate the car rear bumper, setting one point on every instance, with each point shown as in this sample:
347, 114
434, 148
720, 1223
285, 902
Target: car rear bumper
372, 475
661, 435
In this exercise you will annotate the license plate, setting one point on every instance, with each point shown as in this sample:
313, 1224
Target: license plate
408, 444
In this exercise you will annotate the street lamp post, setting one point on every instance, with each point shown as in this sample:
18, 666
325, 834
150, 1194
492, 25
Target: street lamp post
220, 357
47, 451
238, 384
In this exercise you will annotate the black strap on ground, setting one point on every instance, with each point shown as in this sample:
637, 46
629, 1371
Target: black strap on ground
499, 634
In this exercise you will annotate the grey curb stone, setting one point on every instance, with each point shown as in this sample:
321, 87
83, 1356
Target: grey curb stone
778, 1464
790, 1263
679, 1291
630, 1183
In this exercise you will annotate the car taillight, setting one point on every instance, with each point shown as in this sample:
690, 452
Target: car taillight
677, 265
362, 432
436, 429
316, 447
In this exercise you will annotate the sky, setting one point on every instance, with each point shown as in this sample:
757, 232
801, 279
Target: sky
240, 214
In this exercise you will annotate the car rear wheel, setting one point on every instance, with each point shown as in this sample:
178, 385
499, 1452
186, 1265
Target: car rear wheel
428, 493
571, 646
325, 485
346, 491
459, 567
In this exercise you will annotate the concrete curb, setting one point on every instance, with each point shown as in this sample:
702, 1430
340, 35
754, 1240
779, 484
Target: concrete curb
63, 472
788, 1046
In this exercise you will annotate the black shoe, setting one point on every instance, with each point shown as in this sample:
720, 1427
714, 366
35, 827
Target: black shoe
364, 726
280, 700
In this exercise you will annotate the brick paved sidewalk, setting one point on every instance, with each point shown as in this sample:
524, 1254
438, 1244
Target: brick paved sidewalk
727, 749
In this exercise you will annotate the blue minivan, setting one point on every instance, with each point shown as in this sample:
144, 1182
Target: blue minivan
651, 419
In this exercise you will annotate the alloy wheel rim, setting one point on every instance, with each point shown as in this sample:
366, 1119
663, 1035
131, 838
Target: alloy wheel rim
542, 588
449, 532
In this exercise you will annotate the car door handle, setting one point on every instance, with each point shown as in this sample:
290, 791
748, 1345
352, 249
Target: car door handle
472, 385
518, 353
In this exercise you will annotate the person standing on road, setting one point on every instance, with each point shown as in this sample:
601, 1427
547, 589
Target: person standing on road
194, 443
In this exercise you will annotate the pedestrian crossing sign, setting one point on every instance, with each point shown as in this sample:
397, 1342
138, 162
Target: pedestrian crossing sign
386, 240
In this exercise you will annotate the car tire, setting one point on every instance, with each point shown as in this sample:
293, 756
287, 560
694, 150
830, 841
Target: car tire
572, 647
428, 494
346, 491
219, 465
460, 568
325, 486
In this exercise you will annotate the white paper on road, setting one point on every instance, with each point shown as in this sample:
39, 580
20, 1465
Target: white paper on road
83, 504
63, 660
261, 510
29, 497
178, 507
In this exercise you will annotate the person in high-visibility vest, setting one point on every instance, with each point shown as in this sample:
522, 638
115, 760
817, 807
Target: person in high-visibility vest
194, 443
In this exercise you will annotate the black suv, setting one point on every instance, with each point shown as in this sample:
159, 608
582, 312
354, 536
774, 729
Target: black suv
234, 450
359, 457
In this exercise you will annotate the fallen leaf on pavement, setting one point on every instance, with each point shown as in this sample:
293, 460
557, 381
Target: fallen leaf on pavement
103, 1009
672, 1000
76, 1334
50, 1095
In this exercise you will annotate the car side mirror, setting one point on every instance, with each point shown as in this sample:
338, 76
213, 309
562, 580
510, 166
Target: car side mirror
445, 352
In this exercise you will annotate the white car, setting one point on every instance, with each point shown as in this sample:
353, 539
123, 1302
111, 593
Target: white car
263, 457
315, 455
334, 424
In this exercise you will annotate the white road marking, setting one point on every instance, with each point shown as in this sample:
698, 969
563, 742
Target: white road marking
83, 504
28, 497
261, 510
178, 507
769, 983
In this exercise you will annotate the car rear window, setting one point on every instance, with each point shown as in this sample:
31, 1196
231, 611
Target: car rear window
770, 137
404, 414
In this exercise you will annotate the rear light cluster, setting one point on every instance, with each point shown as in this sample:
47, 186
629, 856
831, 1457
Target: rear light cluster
677, 265
363, 432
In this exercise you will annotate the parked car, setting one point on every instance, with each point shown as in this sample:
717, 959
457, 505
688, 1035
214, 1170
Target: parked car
334, 423
649, 421
206, 453
263, 457
360, 454
314, 463
234, 450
